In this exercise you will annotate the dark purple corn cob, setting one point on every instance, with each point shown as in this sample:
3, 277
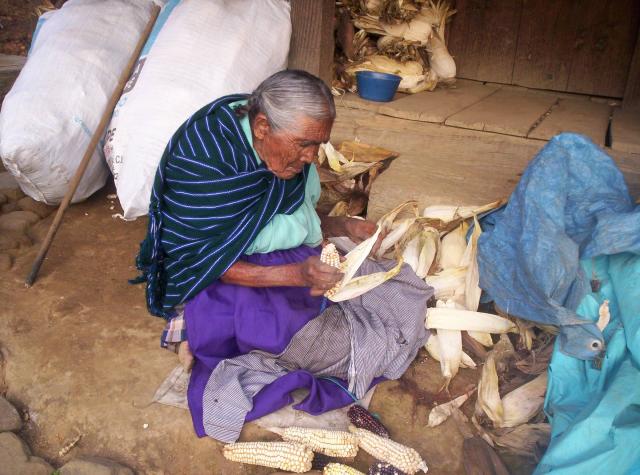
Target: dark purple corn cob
383, 468
363, 419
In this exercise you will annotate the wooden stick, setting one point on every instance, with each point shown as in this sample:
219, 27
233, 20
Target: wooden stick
97, 134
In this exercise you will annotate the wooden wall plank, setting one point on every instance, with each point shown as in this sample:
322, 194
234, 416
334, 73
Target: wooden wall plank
632, 90
312, 40
545, 44
604, 44
625, 131
482, 38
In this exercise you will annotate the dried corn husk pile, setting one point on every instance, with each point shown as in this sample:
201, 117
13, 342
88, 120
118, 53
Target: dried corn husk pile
346, 176
403, 37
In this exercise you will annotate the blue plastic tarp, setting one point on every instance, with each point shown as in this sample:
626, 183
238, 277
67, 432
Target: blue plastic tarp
571, 203
571, 222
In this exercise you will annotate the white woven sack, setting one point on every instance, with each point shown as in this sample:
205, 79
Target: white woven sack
201, 50
78, 55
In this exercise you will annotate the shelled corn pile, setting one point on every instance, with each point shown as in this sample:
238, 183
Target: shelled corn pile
403, 37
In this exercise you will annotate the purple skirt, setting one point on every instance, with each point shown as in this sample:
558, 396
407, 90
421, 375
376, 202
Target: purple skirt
225, 320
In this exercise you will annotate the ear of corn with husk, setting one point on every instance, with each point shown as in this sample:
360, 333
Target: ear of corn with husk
433, 348
523, 439
489, 400
449, 283
398, 455
455, 319
419, 248
334, 443
450, 342
452, 248
288, 456
523, 403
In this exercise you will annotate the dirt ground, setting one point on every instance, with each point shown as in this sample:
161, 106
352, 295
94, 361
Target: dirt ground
81, 354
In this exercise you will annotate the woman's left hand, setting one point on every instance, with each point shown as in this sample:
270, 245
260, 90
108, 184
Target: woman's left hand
360, 229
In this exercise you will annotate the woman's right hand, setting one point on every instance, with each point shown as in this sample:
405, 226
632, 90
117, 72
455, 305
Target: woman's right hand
317, 275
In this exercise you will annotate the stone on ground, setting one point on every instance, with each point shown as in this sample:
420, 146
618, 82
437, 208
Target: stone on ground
8, 181
13, 240
5, 265
18, 221
9, 207
16, 458
10, 420
94, 466
29, 204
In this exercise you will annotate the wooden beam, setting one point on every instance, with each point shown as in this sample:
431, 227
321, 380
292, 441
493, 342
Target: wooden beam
632, 90
10, 67
312, 37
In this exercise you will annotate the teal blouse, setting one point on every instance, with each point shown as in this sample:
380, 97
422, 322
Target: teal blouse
293, 230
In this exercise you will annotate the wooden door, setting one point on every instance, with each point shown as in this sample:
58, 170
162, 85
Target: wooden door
581, 46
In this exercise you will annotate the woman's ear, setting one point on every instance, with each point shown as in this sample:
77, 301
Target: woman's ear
261, 127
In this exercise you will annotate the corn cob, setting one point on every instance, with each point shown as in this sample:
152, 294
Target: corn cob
363, 419
454, 319
330, 256
320, 461
334, 443
384, 468
398, 455
340, 469
281, 455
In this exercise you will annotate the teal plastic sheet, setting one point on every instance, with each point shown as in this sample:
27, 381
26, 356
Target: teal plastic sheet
595, 411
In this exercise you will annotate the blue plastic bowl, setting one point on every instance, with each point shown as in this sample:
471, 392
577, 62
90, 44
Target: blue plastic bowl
380, 87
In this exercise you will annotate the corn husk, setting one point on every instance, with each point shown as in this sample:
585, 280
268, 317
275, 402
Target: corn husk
419, 247
483, 338
442, 412
345, 169
524, 439
340, 209
452, 248
350, 287
395, 234
448, 283
440, 60
442, 217
386, 222
433, 348
523, 403
472, 289
489, 400
361, 152
604, 316
455, 319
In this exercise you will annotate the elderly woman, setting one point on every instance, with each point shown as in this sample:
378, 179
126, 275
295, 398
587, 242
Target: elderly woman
232, 260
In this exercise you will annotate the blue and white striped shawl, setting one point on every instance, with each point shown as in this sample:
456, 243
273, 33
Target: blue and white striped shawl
210, 200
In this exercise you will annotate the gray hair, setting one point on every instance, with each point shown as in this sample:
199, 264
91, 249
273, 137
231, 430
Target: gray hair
289, 95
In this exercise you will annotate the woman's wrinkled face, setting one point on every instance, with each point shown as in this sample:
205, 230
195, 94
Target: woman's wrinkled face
285, 152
